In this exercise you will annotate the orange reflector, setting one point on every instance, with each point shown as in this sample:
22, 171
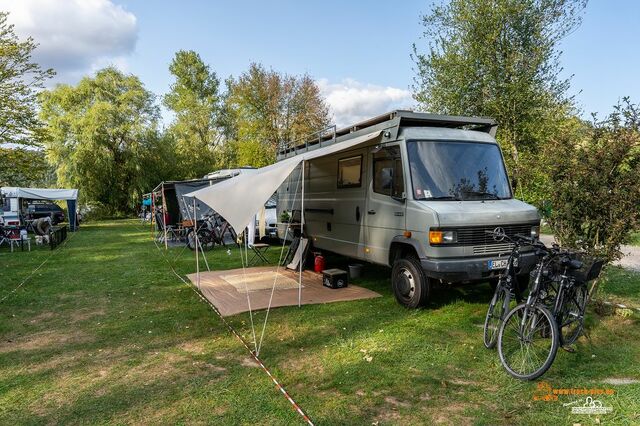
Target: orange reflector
435, 237
407, 234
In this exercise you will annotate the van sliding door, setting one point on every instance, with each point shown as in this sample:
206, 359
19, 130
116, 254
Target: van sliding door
335, 202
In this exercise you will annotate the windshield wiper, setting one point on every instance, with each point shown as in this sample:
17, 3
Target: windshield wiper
483, 194
444, 197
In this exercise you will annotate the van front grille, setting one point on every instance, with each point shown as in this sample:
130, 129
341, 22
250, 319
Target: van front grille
493, 249
478, 236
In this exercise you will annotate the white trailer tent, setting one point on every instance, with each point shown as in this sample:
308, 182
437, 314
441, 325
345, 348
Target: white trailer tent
239, 199
48, 194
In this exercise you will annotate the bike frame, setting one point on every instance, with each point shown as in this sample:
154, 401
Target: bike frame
509, 274
533, 297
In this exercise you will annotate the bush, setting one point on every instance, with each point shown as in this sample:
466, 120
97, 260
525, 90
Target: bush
593, 175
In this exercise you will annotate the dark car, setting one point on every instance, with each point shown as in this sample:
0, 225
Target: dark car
38, 210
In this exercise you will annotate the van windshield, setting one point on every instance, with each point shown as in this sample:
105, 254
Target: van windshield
447, 170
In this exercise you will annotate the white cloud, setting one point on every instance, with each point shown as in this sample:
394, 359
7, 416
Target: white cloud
75, 36
352, 101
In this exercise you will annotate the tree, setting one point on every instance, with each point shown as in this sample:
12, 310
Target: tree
20, 81
264, 108
22, 167
499, 58
102, 138
195, 100
593, 171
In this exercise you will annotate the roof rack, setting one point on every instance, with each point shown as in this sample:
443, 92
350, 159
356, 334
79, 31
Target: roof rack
388, 121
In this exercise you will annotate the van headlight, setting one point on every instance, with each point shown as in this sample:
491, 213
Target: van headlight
439, 237
535, 232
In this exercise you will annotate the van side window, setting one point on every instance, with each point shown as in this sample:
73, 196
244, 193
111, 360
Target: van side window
350, 172
388, 178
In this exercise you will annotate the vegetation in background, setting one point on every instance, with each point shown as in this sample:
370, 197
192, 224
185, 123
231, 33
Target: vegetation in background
195, 99
500, 59
102, 138
265, 108
593, 174
21, 163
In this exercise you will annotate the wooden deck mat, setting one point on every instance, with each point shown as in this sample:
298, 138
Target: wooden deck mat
231, 298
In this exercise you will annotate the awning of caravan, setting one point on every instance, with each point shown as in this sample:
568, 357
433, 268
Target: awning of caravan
70, 195
238, 199
41, 193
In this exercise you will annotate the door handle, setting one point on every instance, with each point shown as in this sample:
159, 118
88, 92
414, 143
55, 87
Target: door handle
371, 212
357, 213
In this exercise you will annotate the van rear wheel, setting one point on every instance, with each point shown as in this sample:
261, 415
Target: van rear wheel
410, 285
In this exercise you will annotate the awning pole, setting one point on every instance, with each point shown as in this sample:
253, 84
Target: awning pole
195, 239
153, 213
301, 241
164, 218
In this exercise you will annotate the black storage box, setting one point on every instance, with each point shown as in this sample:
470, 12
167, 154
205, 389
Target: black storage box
334, 278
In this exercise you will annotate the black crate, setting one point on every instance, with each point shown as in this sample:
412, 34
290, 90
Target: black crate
334, 278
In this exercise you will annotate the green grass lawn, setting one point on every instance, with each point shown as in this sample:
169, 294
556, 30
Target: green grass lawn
105, 333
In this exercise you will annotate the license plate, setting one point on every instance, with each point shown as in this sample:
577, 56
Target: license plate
498, 264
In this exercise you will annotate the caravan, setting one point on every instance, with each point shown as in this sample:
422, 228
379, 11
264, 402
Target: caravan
19, 206
420, 197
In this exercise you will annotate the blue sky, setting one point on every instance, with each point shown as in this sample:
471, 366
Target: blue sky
359, 51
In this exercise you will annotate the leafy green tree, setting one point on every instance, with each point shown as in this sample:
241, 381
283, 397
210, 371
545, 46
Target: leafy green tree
499, 58
23, 167
264, 108
20, 81
102, 137
195, 100
593, 171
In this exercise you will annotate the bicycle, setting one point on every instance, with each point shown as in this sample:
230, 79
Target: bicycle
531, 333
507, 288
207, 234
569, 282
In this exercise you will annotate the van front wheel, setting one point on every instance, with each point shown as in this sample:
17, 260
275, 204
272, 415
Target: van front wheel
410, 286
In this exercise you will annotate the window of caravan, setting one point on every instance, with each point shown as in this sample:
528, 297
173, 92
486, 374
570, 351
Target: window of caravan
448, 170
387, 172
350, 172
5, 204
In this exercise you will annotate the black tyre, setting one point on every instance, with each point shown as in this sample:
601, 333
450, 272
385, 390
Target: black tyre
498, 308
571, 318
410, 285
191, 242
528, 350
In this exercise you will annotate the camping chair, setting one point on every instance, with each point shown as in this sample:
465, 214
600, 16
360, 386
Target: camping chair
299, 255
172, 235
291, 251
259, 250
5, 237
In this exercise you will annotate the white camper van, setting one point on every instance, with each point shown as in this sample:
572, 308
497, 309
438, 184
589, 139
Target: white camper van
419, 198
9, 207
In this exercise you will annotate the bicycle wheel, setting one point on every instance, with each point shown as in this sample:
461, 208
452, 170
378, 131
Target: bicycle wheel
495, 314
191, 241
528, 341
571, 318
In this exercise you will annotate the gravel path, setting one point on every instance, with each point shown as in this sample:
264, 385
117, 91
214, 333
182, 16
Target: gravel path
631, 259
